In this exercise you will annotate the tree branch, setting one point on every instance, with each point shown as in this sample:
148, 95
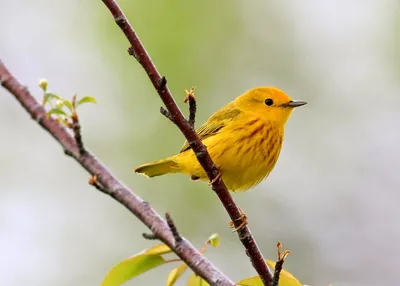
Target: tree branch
192, 105
172, 227
139, 52
106, 182
279, 263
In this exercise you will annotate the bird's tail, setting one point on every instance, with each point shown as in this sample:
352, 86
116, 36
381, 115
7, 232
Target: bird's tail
158, 168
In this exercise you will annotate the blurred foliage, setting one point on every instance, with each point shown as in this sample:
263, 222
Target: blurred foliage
172, 33
285, 278
153, 257
63, 109
136, 265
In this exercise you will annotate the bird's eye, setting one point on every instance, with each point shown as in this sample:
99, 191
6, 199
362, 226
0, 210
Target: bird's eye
269, 101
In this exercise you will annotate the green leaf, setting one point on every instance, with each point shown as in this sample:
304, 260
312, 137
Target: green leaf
68, 104
285, 278
49, 96
252, 281
56, 111
158, 250
175, 274
195, 280
136, 265
214, 240
131, 268
59, 104
86, 99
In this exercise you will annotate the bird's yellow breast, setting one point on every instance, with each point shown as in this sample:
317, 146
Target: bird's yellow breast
245, 153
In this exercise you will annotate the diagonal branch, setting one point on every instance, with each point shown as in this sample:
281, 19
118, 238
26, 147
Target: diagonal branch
139, 52
110, 185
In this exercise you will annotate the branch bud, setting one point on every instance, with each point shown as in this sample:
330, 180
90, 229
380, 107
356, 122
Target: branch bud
43, 84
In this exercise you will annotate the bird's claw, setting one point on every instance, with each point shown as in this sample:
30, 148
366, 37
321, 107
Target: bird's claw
242, 219
218, 177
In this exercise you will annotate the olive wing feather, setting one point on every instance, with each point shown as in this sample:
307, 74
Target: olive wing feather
214, 124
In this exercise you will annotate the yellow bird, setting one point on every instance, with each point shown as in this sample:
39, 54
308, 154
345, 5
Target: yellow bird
244, 139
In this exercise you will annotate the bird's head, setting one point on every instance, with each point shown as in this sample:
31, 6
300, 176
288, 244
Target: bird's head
270, 103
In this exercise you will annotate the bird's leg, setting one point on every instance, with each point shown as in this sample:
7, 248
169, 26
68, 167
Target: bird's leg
243, 219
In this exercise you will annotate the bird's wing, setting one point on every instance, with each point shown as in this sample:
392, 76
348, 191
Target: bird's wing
214, 124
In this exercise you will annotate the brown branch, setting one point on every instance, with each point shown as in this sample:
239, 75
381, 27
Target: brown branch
106, 182
192, 105
166, 113
76, 127
277, 272
93, 181
139, 52
279, 264
149, 236
172, 227
171, 224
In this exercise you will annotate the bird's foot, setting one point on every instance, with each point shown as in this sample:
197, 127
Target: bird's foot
242, 219
218, 177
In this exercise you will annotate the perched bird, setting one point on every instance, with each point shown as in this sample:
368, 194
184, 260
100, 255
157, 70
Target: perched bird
244, 139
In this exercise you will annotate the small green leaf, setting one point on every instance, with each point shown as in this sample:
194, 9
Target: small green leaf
56, 111
285, 278
49, 96
86, 99
159, 249
175, 274
60, 104
252, 281
132, 267
214, 240
68, 104
73, 101
195, 280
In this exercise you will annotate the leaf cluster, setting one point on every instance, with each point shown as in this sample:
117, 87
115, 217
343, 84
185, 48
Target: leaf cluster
63, 109
154, 257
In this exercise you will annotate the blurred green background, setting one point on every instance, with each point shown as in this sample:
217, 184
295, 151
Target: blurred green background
332, 198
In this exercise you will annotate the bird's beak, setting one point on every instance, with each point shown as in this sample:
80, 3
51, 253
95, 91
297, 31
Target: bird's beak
294, 103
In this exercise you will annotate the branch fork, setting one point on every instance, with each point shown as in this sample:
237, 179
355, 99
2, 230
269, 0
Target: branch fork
104, 181
176, 116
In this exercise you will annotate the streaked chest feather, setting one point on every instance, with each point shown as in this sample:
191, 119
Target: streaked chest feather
249, 153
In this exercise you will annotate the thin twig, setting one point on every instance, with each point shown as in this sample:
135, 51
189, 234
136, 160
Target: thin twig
279, 264
149, 236
277, 273
76, 128
173, 228
141, 209
137, 49
192, 105
162, 82
166, 113
94, 182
